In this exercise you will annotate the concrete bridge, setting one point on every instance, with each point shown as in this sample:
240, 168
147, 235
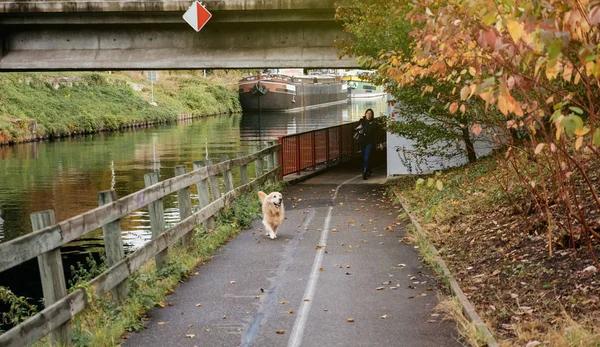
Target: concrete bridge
126, 35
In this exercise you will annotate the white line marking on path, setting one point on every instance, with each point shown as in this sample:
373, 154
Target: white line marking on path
300, 322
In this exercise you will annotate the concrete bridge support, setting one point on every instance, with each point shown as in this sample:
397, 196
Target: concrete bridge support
126, 35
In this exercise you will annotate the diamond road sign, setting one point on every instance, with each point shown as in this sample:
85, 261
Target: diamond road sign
197, 16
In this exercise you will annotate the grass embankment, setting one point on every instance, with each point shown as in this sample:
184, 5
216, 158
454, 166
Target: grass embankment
103, 323
47, 105
499, 254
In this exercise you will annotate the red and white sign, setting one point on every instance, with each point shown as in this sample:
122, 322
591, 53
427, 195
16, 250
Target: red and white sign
197, 16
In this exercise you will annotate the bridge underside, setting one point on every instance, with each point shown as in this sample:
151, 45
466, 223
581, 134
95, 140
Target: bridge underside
129, 40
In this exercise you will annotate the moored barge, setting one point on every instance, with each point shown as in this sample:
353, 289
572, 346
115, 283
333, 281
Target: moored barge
284, 93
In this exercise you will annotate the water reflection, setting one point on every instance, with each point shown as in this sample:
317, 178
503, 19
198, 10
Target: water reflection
269, 126
66, 174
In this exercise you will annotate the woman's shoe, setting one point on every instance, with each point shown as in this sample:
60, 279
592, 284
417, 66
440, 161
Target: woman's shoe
368, 172
364, 175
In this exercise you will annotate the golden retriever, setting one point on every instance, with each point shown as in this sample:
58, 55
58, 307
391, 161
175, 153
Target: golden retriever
272, 209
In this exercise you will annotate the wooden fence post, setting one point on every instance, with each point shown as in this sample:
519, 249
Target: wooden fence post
213, 181
52, 275
258, 165
276, 155
227, 176
243, 171
113, 245
203, 197
185, 204
157, 220
270, 161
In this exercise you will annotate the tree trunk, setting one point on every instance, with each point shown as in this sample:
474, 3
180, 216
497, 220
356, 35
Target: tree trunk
471, 155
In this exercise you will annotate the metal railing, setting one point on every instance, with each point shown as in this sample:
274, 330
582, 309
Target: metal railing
308, 149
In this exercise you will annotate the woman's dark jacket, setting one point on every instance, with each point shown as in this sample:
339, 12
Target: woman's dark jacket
371, 132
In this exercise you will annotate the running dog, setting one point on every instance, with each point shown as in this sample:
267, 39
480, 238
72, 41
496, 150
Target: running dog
272, 209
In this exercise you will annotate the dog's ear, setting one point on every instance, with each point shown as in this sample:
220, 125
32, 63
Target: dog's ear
262, 196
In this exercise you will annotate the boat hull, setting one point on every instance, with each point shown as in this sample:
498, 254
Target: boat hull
287, 96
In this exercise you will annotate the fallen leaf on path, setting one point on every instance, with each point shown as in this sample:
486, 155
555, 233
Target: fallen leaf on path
384, 316
283, 302
379, 288
290, 311
320, 269
280, 332
231, 282
189, 336
161, 304
162, 323
350, 320
198, 305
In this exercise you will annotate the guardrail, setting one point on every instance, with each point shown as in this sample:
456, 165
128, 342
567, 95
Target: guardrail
308, 149
48, 236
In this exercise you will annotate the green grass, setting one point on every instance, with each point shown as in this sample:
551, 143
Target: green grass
466, 190
65, 104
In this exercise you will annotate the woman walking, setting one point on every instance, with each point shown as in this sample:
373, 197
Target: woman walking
368, 135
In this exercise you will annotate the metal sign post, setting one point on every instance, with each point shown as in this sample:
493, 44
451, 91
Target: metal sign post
152, 77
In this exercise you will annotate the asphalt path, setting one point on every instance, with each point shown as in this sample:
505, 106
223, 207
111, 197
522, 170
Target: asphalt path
339, 274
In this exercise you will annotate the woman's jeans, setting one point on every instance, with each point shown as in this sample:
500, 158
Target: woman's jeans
366, 152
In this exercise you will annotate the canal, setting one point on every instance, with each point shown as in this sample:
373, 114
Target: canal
66, 174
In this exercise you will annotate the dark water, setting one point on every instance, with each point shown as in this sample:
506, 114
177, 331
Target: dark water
67, 174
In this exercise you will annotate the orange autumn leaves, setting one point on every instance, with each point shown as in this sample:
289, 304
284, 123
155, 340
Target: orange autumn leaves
503, 54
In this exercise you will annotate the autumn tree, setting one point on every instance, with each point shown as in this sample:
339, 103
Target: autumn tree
378, 31
535, 67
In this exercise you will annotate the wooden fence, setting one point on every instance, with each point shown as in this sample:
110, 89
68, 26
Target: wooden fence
48, 236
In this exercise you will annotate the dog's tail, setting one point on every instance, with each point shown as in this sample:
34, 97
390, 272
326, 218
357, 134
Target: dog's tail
261, 196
